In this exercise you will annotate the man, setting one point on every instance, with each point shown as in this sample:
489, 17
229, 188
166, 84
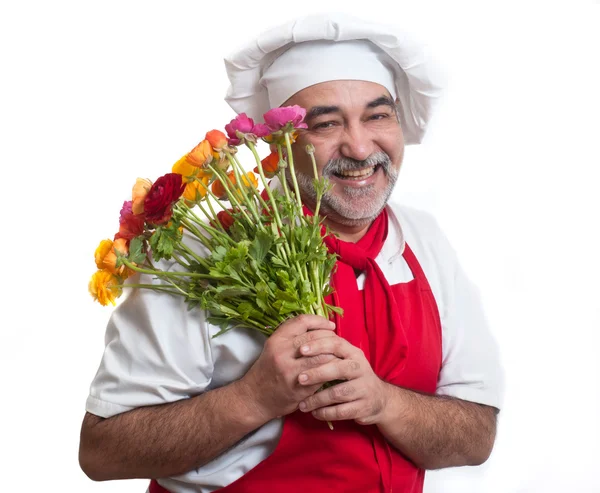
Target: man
419, 371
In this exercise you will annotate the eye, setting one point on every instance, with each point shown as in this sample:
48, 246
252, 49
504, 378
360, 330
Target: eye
324, 125
379, 116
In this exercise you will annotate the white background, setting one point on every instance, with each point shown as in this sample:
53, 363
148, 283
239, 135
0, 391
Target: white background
95, 94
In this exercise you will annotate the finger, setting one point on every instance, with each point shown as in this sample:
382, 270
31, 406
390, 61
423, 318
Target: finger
338, 369
314, 361
342, 392
311, 335
302, 323
329, 345
340, 412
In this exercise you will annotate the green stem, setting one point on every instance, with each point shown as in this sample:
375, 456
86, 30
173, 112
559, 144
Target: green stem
288, 146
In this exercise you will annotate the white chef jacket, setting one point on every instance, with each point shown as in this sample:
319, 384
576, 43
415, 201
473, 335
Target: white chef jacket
157, 351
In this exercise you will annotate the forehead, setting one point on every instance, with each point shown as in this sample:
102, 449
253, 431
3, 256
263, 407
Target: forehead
345, 94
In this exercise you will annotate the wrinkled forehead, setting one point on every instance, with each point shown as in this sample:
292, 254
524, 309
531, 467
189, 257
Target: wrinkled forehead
343, 96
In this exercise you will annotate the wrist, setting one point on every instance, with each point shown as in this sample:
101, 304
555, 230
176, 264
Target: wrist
253, 414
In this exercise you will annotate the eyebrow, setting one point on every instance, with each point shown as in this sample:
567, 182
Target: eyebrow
316, 111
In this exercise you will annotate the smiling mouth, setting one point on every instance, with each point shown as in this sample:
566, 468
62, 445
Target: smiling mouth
359, 174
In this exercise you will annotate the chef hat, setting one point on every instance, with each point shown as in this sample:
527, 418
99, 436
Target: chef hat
324, 47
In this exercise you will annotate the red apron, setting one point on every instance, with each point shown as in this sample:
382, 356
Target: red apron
353, 458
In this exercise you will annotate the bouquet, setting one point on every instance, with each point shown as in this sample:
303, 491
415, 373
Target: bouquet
263, 257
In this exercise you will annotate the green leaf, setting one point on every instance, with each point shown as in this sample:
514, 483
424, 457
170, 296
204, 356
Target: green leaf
261, 246
136, 255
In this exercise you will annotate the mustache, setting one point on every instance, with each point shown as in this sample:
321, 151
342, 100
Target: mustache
344, 164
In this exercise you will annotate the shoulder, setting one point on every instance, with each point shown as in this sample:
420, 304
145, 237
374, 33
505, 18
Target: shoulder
421, 231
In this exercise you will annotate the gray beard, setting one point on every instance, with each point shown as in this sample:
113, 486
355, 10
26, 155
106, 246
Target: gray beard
341, 208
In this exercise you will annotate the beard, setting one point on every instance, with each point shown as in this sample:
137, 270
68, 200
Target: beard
351, 206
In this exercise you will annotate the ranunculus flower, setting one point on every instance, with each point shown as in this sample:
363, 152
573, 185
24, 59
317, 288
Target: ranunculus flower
102, 250
245, 125
104, 287
106, 258
195, 189
188, 171
225, 218
158, 205
201, 155
278, 118
216, 139
249, 179
130, 224
138, 194
270, 165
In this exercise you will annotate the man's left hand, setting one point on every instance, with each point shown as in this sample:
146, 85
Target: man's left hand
362, 395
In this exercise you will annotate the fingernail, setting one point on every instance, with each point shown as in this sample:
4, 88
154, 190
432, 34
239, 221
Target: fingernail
303, 377
302, 406
305, 349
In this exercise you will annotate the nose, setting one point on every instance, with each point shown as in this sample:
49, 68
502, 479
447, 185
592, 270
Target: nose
357, 143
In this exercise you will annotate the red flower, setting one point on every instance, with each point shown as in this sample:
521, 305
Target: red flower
270, 165
158, 204
225, 218
278, 118
131, 225
246, 126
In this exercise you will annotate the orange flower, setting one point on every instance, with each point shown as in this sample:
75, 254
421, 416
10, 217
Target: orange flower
138, 194
104, 287
270, 165
194, 190
201, 154
189, 172
216, 139
249, 179
106, 257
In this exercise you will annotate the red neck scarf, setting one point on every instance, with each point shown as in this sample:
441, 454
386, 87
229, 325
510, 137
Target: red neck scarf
383, 327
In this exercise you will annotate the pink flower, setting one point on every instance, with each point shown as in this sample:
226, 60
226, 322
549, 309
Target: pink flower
278, 118
246, 126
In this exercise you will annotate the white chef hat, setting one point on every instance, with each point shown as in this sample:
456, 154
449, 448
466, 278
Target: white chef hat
325, 47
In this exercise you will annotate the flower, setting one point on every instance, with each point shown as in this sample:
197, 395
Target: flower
270, 165
225, 218
106, 256
140, 190
102, 250
195, 190
130, 224
158, 204
216, 139
278, 118
249, 179
104, 287
241, 124
201, 155
189, 172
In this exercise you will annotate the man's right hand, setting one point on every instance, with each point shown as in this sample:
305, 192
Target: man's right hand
271, 385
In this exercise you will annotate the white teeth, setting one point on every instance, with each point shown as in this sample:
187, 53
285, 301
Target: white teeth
363, 173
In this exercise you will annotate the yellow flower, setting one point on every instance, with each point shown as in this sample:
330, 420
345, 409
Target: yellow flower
138, 194
103, 249
104, 287
188, 171
106, 257
195, 190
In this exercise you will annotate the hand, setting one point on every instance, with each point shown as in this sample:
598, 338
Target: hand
271, 385
361, 397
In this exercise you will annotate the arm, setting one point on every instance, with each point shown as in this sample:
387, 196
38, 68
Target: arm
432, 431
436, 431
166, 440
170, 439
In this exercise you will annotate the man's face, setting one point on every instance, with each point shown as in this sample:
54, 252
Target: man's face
359, 147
